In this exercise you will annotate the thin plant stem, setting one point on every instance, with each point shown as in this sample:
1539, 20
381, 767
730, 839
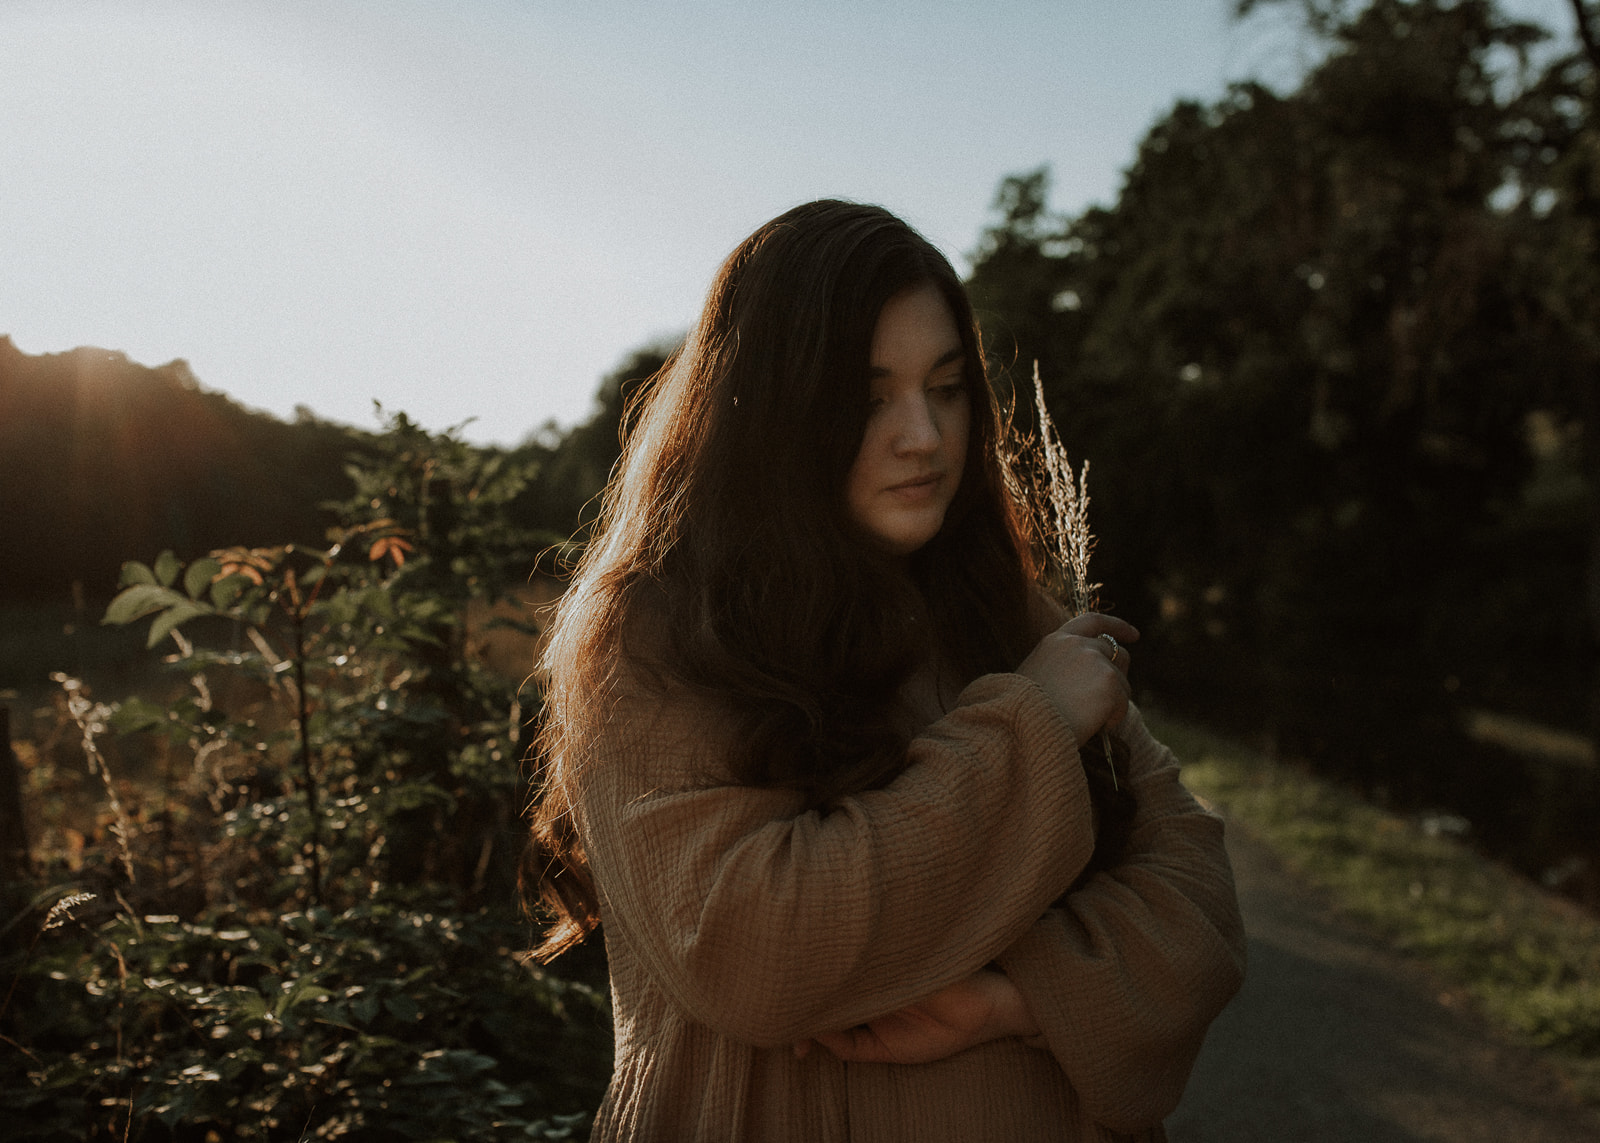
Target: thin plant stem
1058, 500
307, 767
91, 720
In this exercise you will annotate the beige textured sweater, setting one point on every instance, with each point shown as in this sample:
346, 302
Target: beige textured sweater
737, 923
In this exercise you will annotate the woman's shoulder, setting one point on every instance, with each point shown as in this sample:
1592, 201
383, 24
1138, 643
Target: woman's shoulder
645, 713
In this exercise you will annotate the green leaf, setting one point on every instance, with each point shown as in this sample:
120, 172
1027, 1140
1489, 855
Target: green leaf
252, 1007
302, 991
225, 592
402, 1008
200, 573
418, 634
138, 601
381, 602
137, 714
180, 612
166, 568
134, 572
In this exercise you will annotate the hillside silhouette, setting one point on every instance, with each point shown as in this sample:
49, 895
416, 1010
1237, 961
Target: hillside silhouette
107, 460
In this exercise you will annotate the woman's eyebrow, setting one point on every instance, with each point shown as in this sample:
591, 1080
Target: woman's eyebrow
948, 357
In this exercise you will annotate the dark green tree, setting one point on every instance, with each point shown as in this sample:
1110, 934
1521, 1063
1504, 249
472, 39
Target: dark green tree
1302, 351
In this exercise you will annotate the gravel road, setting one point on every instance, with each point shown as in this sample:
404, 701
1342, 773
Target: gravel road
1333, 1037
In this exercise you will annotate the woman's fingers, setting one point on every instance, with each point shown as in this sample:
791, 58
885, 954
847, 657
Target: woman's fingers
1083, 672
1121, 658
974, 1010
856, 1045
1113, 634
1094, 623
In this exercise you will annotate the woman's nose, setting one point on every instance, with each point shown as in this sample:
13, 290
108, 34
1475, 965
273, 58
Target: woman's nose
915, 428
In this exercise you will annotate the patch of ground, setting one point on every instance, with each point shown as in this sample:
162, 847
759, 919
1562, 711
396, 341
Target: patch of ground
1336, 1038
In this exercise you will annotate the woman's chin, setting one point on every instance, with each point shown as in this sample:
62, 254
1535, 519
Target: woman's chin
905, 537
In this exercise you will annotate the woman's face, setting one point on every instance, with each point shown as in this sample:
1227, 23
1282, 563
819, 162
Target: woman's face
915, 444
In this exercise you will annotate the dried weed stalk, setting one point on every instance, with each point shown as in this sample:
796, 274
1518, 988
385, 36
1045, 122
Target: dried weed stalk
91, 719
1057, 501
61, 912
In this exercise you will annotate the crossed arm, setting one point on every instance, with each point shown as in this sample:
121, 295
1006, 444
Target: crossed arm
974, 1010
1118, 981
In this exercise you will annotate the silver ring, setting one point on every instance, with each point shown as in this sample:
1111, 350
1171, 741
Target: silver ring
1115, 646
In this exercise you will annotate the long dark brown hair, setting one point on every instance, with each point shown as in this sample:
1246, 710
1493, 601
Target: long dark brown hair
724, 560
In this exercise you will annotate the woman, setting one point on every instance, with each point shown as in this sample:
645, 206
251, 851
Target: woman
811, 743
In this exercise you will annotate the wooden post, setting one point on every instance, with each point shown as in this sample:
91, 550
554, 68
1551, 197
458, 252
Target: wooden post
13, 831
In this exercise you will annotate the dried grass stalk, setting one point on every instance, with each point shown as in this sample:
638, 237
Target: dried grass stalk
91, 719
1057, 501
61, 912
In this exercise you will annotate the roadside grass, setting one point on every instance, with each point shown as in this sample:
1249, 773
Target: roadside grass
1529, 959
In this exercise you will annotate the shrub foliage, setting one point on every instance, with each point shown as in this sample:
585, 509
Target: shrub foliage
307, 927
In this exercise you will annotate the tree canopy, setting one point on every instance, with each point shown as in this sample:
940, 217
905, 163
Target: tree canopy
1332, 354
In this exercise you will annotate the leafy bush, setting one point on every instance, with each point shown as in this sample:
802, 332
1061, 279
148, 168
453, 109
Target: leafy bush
392, 1019
314, 934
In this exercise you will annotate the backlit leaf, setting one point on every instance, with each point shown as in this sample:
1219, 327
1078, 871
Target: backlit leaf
138, 601
134, 572
166, 568
226, 590
392, 546
199, 575
252, 563
180, 612
137, 714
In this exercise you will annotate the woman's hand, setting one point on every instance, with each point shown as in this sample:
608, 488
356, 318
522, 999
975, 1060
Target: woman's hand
1082, 673
984, 1006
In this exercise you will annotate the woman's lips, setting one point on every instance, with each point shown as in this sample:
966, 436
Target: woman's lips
917, 487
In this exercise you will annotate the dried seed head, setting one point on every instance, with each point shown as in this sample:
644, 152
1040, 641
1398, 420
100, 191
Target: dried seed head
1056, 500
61, 912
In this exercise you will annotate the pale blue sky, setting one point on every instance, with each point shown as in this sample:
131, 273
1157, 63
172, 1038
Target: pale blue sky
475, 208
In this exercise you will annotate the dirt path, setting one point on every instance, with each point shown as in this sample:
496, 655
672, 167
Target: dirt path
1335, 1038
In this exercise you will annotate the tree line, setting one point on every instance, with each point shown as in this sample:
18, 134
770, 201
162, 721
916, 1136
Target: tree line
1332, 355
107, 460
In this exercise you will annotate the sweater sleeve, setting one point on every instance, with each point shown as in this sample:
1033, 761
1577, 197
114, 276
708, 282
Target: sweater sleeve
1125, 975
768, 922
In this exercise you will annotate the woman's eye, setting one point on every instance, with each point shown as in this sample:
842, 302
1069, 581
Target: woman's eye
951, 390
